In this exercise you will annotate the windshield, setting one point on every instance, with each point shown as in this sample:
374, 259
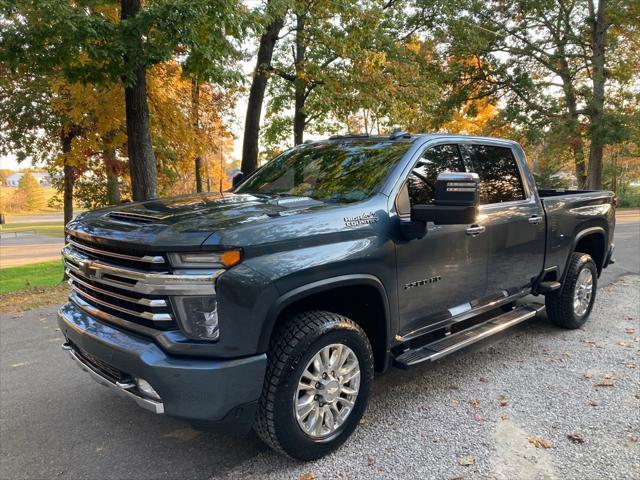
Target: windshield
338, 172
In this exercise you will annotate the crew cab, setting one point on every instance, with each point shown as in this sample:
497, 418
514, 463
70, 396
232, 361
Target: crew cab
272, 305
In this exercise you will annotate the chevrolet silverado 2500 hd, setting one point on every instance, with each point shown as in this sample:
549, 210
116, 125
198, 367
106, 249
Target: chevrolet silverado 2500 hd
272, 305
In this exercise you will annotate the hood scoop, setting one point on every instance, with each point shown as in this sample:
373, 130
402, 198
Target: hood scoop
134, 218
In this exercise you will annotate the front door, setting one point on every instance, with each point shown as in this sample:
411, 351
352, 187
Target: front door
513, 218
439, 274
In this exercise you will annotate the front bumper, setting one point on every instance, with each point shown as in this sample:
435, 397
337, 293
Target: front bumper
204, 391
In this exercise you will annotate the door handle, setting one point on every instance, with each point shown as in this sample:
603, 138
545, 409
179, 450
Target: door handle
475, 230
535, 219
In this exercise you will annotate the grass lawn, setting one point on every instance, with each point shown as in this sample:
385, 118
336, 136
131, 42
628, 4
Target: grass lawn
47, 274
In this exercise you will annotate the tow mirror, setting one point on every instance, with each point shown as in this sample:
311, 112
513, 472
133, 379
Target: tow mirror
237, 179
455, 203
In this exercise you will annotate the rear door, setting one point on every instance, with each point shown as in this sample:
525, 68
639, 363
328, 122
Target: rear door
512, 214
439, 274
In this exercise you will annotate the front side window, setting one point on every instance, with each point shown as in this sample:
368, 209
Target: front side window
421, 182
335, 172
499, 175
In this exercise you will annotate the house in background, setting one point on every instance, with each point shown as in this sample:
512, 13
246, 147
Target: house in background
43, 178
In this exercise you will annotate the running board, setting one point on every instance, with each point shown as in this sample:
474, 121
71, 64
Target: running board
452, 343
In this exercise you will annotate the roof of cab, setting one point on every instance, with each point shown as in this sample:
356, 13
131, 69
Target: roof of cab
402, 136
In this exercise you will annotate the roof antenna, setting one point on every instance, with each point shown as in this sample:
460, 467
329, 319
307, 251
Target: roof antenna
397, 133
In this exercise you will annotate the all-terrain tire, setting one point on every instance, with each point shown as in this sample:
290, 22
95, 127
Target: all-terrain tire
561, 309
293, 346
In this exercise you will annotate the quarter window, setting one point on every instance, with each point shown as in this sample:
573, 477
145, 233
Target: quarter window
500, 179
421, 182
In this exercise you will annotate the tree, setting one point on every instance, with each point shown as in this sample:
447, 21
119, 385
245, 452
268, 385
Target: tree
274, 19
35, 196
549, 63
91, 43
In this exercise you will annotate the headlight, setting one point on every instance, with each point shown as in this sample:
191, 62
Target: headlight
198, 316
227, 259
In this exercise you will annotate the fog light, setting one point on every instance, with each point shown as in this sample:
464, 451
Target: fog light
198, 317
146, 389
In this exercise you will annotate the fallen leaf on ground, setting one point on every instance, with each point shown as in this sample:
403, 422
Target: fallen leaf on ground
473, 402
607, 382
307, 476
633, 439
575, 438
567, 354
504, 417
371, 461
539, 442
593, 403
587, 375
629, 365
467, 460
503, 402
624, 344
630, 330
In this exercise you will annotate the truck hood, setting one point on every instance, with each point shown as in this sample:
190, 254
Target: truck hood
186, 222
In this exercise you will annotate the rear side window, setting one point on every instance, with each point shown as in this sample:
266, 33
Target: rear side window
499, 175
422, 179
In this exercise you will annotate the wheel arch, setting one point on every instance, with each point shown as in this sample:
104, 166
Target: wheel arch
361, 297
593, 241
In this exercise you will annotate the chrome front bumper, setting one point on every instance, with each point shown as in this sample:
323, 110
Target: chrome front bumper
123, 389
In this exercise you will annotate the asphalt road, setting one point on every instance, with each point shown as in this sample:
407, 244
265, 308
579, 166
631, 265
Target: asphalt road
57, 423
28, 249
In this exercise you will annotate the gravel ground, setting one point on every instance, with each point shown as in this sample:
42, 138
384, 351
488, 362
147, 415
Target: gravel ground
502, 410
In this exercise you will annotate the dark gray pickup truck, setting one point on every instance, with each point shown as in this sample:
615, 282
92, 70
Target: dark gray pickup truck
272, 305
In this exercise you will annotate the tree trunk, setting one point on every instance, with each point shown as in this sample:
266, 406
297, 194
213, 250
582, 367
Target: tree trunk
597, 130
67, 196
112, 169
573, 123
69, 133
195, 118
300, 84
256, 96
142, 162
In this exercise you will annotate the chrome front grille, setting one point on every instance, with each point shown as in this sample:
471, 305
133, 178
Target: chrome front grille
131, 290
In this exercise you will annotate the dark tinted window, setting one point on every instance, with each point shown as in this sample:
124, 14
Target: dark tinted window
422, 180
499, 176
338, 172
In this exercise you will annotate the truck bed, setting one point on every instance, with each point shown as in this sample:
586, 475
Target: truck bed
569, 214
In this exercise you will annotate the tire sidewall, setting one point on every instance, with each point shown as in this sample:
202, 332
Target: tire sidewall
289, 433
585, 261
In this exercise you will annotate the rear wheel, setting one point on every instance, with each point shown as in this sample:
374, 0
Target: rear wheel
317, 384
570, 306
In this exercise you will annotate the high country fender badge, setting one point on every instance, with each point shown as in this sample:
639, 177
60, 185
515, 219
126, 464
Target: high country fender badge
420, 283
363, 219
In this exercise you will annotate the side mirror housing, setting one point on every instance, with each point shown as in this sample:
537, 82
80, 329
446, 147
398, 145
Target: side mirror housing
237, 179
455, 203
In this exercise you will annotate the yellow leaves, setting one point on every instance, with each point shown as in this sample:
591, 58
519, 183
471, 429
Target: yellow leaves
473, 118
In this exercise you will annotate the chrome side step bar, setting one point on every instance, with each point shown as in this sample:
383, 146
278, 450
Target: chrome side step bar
452, 343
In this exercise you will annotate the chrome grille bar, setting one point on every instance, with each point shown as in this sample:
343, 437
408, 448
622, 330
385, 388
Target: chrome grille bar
146, 259
156, 317
139, 301
151, 283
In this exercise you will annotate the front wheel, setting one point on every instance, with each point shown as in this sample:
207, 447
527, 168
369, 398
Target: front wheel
570, 306
317, 384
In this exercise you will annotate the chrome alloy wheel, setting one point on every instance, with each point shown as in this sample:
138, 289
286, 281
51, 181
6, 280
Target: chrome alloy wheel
327, 390
583, 291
